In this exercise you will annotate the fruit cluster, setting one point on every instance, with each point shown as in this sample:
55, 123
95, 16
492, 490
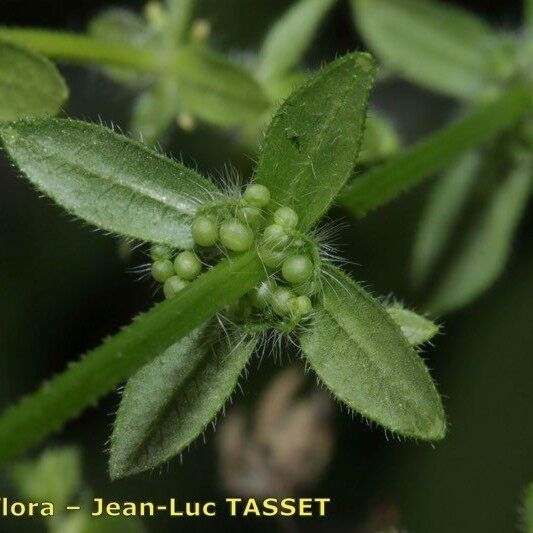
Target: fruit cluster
290, 256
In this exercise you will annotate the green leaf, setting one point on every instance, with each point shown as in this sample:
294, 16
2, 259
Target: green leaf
154, 111
170, 401
180, 17
481, 259
122, 26
289, 38
83, 383
216, 89
107, 179
54, 477
528, 509
441, 214
361, 355
380, 140
409, 167
415, 328
429, 43
312, 143
30, 85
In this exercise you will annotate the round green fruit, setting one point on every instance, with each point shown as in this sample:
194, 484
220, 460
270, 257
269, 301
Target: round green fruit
297, 268
235, 236
275, 237
162, 270
300, 306
204, 230
257, 195
173, 285
286, 217
280, 301
187, 265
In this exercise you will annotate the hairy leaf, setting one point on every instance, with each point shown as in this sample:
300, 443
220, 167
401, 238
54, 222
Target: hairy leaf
170, 401
154, 111
415, 328
216, 89
361, 355
482, 258
313, 141
102, 369
30, 85
107, 179
409, 167
289, 38
430, 43
441, 214
54, 477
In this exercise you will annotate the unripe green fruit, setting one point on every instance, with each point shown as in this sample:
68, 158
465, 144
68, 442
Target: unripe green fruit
272, 259
235, 236
250, 215
204, 230
174, 285
300, 306
261, 295
286, 217
257, 195
187, 265
162, 270
280, 301
275, 237
159, 252
297, 268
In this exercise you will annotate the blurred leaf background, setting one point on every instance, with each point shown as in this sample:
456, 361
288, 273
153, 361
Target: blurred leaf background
64, 287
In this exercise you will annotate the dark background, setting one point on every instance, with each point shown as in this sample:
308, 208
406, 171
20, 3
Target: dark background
64, 287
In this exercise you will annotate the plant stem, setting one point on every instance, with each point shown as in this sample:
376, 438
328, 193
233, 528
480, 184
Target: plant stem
83, 383
82, 49
410, 167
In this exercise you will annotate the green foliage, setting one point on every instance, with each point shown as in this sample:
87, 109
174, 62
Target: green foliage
108, 180
313, 140
121, 26
415, 328
482, 257
54, 477
432, 44
441, 213
170, 401
216, 89
290, 37
409, 167
361, 355
380, 140
30, 85
105, 367
154, 111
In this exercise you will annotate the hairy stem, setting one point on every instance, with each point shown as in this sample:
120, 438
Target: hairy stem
410, 167
82, 384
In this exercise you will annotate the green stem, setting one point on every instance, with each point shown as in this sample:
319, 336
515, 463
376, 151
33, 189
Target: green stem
82, 384
410, 167
82, 49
